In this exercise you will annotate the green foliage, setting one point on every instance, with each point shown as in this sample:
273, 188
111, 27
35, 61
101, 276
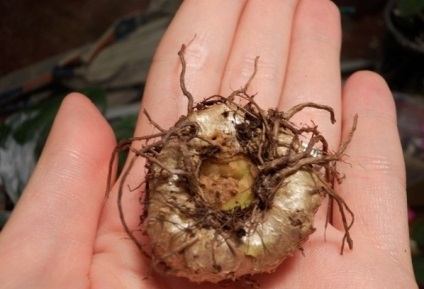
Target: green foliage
417, 234
418, 264
410, 8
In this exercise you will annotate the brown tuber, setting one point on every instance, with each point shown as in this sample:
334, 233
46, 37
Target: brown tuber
231, 189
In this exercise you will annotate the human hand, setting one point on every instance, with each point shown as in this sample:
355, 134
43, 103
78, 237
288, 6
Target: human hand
61, 236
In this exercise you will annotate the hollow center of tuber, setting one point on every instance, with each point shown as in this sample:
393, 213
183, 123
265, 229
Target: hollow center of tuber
227, 184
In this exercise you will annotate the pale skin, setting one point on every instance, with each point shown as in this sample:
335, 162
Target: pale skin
62, 234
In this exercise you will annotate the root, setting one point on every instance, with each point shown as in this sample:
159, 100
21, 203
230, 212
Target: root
182, 80
243, 90
121, 211
295, 109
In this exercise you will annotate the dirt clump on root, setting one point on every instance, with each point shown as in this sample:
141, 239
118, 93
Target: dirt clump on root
231, 189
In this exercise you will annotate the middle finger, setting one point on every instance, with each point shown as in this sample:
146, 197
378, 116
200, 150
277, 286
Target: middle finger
264, 31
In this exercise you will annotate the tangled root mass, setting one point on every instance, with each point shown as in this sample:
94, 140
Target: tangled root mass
231, 189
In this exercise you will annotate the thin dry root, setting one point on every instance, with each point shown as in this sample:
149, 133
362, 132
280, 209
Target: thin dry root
182, 80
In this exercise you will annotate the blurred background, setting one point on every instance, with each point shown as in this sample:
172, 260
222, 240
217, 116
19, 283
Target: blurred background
103, 48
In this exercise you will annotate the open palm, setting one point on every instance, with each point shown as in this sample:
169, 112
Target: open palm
61, 235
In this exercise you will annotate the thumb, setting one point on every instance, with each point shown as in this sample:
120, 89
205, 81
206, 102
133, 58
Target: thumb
54, 224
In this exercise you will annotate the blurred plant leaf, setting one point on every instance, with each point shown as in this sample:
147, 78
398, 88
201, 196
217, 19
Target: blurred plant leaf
418, 264
410, 8
417, 234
